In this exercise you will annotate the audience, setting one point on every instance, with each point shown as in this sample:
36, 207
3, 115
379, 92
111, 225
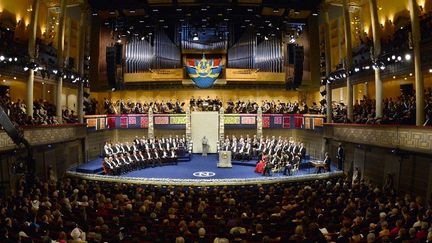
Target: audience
142, 153
400, 110
311, 211
44, 113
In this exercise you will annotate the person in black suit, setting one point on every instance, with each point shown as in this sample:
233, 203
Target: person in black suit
340, 156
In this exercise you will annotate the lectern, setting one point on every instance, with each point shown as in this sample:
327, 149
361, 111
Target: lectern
224, 159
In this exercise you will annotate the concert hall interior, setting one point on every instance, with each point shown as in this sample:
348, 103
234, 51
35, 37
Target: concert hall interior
216, 121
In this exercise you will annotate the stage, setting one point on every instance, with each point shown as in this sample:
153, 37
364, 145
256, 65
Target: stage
199, 170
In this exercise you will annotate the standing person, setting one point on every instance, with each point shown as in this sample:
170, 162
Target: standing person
340, 156
205, 146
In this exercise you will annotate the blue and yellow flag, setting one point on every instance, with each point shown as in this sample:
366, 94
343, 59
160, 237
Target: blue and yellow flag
204, 72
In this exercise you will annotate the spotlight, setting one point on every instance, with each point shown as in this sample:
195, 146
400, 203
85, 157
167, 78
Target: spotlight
72, 76
10, 59
393, 57
2, 58
407, 56
388, 59
399, 58
16, 59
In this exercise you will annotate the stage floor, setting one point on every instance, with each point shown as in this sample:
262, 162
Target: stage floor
199, 170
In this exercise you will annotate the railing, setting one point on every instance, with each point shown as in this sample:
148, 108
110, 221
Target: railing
231, 121
410, 138
46, 134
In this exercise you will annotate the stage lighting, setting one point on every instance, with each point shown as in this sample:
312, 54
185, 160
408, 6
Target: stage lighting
393, 57
356, 69
2, 58
344, 75
399, 58
407, 56
367, 67
388, 59
382, 67
430, 70
16, 59
265, 38
10, 59
55, 71
26, 68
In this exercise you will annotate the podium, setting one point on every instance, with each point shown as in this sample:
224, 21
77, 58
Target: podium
224, 159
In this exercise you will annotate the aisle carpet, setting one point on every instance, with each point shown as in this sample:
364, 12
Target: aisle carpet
197, 165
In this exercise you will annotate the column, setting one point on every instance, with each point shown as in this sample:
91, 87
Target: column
377, 51
419, 85
348, 60
81, 49
60, 58
328, 65
44, 90
259, 123
339, 32
221, 125
32, 55
150, 123
366, 90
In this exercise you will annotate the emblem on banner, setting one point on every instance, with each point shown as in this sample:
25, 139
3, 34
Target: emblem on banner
204, 72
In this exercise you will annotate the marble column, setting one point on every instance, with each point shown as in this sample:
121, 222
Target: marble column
376, 31
348, 59
328, 65
419, 83
81, 49
32, 55
60, 58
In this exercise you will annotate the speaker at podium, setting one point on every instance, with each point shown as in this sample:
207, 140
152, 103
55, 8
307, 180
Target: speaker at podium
224, 159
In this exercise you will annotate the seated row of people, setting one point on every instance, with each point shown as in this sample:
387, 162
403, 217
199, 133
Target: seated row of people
121, 158
125, 162
146, 143
248, 148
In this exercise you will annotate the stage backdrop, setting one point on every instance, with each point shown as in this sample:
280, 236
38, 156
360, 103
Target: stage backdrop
204, 124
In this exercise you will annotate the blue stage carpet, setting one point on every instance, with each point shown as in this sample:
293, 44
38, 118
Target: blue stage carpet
186, 170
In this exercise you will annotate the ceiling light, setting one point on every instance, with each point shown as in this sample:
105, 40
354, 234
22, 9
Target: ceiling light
394, 77
155, 10
265, 38
399, 58
356, 69
2, 58
131, 11
94, 14
393, 57
314, 14
179, 9
430, 70
410, 74
275, 10
407, 56
195, 38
